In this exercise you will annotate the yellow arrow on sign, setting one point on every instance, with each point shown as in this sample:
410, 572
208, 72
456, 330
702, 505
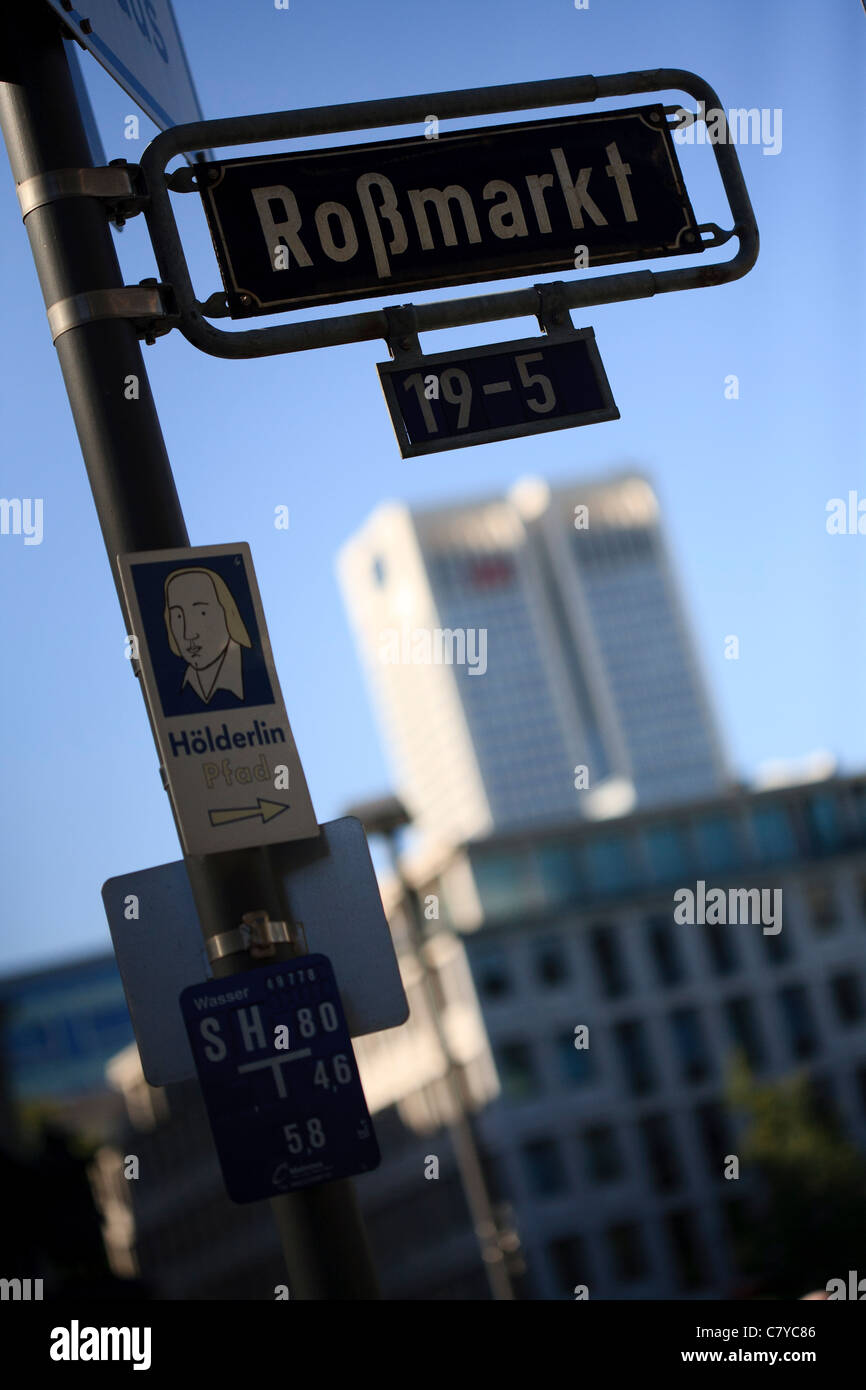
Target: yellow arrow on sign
266, 809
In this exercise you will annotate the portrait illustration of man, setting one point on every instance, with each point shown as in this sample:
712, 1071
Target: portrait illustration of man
206, 630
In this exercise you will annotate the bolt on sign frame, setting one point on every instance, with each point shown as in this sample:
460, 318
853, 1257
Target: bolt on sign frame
402, 111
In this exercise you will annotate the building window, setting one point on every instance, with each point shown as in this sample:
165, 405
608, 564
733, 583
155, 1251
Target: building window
559, 869
716, 844
517, 1070
824, 1102
607, 865
575, 1065
690, 1045
743, 1029
738, 1214
774, 834
658, 1142
634, 1052
822, 818
714, 1131
490, 968
777, 946
378, 571
505, 885
668, 856
664, 951
847, 997
627, 1252
720, 948
568, 1257
602, 1153
544, 1168
686, 1249
609, 961
858, 804
549, 959
797, 1017
823, 907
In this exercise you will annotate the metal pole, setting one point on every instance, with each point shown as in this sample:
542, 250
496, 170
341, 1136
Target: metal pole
459, 1126
138, 508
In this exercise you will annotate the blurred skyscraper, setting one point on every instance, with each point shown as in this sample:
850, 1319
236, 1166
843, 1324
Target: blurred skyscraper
514, 641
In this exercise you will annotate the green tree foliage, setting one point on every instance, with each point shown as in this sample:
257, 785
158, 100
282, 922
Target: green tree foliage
809, 1221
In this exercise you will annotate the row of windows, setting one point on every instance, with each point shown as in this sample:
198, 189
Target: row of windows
518, 1062
629, 1257
550, 964
558, 873
611, 545
602, 1154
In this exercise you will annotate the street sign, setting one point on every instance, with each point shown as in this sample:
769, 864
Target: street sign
451, 399
324, 226
199, 637
330, 887
279, 1078
138, 43
94, 139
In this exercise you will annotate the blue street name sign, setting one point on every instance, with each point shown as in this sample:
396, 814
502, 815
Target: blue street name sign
394, 216
138, 42
446, 400
279, 1078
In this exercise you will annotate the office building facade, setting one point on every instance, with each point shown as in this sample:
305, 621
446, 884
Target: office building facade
529, 658
615, 1155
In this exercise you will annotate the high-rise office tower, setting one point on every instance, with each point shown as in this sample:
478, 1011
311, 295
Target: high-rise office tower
529, 657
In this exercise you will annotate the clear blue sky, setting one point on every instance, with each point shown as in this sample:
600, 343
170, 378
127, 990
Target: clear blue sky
744, 484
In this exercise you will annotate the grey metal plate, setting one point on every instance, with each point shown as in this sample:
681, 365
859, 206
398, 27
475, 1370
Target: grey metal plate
331, 887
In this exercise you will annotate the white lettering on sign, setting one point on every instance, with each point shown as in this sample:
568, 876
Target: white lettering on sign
441, 216
252, 1029
216, 1049
145, 19
276, 1065
210, 1001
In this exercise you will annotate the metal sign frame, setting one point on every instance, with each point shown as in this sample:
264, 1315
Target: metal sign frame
402, 111
479, 251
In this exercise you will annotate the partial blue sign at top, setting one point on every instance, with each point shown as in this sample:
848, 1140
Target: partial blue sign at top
138, 43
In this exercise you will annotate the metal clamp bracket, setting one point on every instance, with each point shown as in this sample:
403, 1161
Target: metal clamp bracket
402, 331
553, 313
114, 184
258, 935
150, 306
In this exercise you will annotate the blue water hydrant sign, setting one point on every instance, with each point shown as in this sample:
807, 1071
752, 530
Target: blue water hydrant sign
279, 1077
